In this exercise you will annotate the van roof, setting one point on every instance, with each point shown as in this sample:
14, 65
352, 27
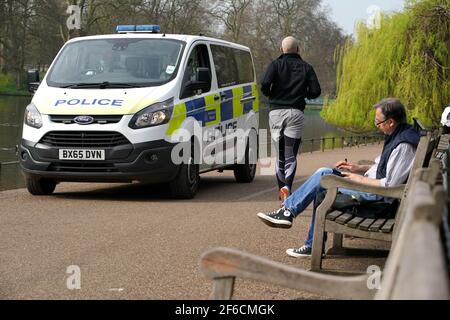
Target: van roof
182, 37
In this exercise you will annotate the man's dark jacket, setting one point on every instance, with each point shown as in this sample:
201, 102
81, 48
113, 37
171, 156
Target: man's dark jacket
288, 81
404, 133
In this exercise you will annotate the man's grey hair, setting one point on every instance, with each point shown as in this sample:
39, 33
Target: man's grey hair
392, 108
289, 45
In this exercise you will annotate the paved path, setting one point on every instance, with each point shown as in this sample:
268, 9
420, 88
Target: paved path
132, 241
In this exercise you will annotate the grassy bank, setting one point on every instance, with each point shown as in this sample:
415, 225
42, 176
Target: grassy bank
8, 87
8, 91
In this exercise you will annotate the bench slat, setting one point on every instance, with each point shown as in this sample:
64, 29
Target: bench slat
354, 223
375, 227
388, 226
334, 227
343, 219
333, 215
366, 224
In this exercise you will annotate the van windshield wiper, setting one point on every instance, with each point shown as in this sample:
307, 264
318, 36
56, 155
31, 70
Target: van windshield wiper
101, 85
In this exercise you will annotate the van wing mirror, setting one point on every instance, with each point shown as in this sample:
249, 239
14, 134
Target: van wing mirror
33, 81
33, 86
202, 82
203, 75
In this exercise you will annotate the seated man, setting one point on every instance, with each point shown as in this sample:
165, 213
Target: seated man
391, 168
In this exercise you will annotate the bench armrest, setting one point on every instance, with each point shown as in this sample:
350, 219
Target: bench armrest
333, 181
221, 264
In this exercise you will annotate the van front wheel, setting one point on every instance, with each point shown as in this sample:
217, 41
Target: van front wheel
185, 185
39, 186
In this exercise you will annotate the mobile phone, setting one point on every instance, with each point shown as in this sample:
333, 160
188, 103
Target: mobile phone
337, 172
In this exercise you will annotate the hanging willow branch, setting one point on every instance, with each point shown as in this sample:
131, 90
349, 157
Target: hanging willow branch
407, 57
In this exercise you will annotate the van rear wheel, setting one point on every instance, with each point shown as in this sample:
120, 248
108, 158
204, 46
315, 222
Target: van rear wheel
186, 183
40, 186
245, 173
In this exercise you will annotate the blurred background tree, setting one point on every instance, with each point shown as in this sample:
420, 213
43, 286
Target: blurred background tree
33, 31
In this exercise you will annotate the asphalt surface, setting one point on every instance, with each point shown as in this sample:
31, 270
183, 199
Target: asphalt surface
131, 241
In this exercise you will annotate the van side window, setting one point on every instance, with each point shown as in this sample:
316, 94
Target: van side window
226, 68
244, 66
198, 58
233, 66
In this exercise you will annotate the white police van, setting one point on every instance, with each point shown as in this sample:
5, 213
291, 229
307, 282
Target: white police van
143, 106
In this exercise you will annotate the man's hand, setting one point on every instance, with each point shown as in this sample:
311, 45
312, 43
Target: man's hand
350, 167
353, 176
347, 166
361, 179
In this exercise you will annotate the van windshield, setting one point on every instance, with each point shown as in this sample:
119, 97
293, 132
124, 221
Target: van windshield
116, 63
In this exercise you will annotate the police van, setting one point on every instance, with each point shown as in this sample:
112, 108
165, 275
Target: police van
145, 106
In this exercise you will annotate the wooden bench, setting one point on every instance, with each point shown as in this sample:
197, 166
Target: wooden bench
341, 223
415, 267
443, 153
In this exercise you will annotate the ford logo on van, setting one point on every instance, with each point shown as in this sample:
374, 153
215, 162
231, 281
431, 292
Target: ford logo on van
83, 119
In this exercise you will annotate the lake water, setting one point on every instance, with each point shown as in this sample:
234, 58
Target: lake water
11, 118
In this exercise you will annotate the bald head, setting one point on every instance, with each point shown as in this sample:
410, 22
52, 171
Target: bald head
289, 45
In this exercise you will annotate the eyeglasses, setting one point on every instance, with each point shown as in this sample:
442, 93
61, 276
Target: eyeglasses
378, 123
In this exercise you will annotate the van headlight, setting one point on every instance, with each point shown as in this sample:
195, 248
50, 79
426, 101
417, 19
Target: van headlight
32, 116
154, 115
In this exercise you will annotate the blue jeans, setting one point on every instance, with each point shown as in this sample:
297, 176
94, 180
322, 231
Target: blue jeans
305, 195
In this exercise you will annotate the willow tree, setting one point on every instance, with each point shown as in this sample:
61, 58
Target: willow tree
407, 56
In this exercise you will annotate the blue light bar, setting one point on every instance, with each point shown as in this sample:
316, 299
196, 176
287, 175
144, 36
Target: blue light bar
144, 28
148, 28
125, 28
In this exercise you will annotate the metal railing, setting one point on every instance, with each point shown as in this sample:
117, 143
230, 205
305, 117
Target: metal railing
350, 141
7, 163
335, 142
8, 125
9, 149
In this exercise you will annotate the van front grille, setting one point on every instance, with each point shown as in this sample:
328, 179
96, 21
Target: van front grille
84, 139
82, 167
99, 119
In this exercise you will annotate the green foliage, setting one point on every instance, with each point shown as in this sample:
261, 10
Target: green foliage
407, 57
6, 80
8, 86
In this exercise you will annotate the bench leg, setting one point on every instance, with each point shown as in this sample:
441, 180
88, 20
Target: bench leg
319, 229
337, 241
316, 255
222, 288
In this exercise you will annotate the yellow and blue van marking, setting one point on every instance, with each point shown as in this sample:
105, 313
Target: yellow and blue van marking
226, 105
196, 109
248, 92
209, 111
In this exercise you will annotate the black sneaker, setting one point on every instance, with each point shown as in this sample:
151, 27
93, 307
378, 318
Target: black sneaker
281, 218
303, 251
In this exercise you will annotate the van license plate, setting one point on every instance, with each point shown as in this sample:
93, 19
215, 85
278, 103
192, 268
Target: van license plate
81, 154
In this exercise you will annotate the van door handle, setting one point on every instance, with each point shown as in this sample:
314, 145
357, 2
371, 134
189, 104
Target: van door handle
222, 96
248, 99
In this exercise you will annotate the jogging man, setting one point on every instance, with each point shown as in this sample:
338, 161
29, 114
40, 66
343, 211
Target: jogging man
287, 82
